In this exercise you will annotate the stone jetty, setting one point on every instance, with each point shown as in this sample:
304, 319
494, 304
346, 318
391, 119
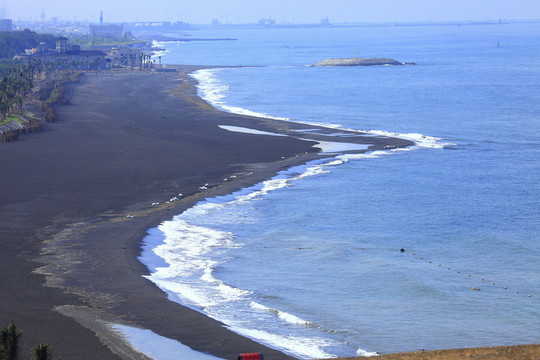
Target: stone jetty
359, 62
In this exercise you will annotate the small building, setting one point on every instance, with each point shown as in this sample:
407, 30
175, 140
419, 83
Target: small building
66, 57
62, 44
77, 60
6, 24
126, 56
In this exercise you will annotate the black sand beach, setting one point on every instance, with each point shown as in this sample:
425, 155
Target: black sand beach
77, 201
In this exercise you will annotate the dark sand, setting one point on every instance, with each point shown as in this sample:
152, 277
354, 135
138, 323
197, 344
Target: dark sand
76, 203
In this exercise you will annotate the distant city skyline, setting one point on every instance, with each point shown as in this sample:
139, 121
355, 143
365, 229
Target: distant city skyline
282, 11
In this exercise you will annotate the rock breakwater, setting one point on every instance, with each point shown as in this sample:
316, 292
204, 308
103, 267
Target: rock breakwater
360, 62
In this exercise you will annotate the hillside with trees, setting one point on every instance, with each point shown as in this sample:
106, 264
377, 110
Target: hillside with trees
15, 42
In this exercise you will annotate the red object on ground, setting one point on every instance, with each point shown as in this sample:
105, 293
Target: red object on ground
252, 356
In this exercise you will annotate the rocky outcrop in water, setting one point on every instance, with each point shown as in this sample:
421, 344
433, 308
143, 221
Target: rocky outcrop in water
360, 62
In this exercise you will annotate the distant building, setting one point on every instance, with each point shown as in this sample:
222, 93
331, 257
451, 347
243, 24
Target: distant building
267, 22
104, 31
5, 24
62, 44
66, 57
126, 56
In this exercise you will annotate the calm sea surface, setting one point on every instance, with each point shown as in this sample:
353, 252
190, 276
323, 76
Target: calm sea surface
309, 262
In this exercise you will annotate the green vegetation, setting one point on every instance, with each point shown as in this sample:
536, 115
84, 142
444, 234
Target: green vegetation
10, 118
10, 345
15, 42
17, 81
53, 92
10, 342
13, 87
89, 41
41, 352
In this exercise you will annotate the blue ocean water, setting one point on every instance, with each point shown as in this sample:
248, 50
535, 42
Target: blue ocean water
309, 262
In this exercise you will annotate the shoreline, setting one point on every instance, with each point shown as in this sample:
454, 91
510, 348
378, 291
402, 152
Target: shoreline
77, 204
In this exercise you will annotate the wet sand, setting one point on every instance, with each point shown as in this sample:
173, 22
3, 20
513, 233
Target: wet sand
77, 201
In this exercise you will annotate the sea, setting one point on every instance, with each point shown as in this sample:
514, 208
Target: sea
431, 247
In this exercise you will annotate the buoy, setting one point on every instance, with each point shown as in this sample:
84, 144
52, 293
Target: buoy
402, 250
469, 275
492, 283
430, 261
517, 291
459, 272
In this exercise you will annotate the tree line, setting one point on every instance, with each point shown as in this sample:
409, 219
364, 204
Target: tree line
15, 84
10, 345
15, 42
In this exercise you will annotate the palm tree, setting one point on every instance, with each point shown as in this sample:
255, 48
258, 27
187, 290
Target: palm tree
10, 341
41, 352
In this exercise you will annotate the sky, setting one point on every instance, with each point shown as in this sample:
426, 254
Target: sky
283, 11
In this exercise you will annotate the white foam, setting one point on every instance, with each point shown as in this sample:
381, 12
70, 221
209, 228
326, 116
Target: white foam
159, 347
420, 140
188, 251
211, 89
192, 253
289, 318
365, 353
304, 347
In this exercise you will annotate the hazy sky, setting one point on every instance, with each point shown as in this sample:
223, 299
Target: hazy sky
297, 11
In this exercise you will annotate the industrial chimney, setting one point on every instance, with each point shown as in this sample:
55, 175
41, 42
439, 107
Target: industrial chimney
101, 18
